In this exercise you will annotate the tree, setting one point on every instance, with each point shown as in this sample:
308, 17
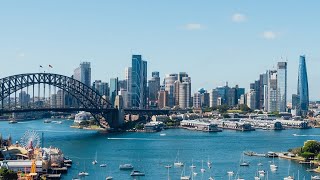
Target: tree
311, 146
223, 108
307, 155
8, 174
244, 108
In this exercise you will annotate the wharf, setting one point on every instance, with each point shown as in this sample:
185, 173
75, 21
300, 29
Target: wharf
62, 169
53, 176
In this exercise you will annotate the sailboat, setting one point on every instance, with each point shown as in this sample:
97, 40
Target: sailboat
288, 177
273, 166
177, 162
243, 162
209, 163
109, 177
84, 173
95, 159
202, 169
183, 175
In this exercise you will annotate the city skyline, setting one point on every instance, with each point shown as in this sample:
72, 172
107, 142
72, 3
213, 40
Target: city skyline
201, 48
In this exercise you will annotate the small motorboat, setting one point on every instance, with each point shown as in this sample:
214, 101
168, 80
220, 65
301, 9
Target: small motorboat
83, 173
103, 165
137, 173
109, 178
125, 167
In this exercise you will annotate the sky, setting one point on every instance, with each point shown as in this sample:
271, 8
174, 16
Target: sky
213, 41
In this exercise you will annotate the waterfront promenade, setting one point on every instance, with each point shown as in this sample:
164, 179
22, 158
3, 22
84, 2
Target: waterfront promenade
150, 152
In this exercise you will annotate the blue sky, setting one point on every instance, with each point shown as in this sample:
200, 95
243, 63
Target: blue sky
214, 41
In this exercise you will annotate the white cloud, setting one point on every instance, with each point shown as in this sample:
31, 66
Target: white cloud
269, 35
239, 18
193, 26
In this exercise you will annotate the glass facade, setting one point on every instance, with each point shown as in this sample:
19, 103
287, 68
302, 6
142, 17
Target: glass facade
113, 89
303, 88
139, 82
282, 86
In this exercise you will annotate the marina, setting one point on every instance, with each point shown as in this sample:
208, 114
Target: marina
145, 152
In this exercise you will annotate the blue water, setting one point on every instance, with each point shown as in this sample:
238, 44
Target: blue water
150, 152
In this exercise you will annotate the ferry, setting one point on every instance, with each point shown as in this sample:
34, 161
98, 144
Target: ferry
13, 121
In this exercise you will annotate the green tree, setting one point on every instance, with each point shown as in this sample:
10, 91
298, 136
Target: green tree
223, 108
307, 155
244, 108
311, 146
8, 174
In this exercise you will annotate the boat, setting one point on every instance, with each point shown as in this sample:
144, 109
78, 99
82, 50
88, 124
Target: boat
13, 121
192, 166
261, 172
183, 175
243, 162
75, 178
125, 167
288, 178
83, 173
95, 160
195, 174
211, 178
202, 169
103, 165
109, 178
163, 134
257, 178
209, 163
177, 162
260, 164
47, 121
272, 154
136, 173
168, 166
315, 177
273, 166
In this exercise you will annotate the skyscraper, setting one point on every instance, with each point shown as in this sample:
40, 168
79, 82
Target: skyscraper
114, 88
282, 86
83, 73
139, 82
169, 82
154, 87
303, 88
128, 78
185, 93
272, 91
101, 87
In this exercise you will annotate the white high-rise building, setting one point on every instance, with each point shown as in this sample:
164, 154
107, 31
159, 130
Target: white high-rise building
128, 78
169, 83
282, 86
272, 91
214, 95
251, 99
185, 93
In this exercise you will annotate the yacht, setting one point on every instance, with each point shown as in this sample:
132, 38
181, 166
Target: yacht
137, 173
168, 166
47, 121
315, 177
109, 178
183, 175
95, 159
177, 162
163, 134
211, 178
288, 178
243, 162
202, 169
261, 172
125, 167
257, 178
103, 165
83, 173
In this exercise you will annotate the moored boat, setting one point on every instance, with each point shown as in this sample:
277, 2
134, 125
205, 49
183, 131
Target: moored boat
125, 167
137, 173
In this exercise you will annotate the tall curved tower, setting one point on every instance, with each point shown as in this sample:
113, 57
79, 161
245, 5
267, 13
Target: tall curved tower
303, 88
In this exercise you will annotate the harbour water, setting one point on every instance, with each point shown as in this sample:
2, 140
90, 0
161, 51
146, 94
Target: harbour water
150, 152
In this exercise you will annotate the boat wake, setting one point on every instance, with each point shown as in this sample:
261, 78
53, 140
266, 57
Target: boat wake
139, 139
59, 131
306, 134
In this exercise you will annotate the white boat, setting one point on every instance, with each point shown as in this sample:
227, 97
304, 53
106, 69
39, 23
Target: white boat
13, 121
243, 162
257, 178
168, 166
209, 163
315, 177
260, 164
288, 178
125, 167
47, 121
230, 173
261, 172
109, 178
211, 178
195, 174
273, 166
163, 134
177, 162
75, 178
137, 173
183, 175
95, 159
202, 169
103, 165
83, 173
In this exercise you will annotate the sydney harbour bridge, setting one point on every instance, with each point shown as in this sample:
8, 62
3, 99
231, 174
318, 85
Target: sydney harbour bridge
42, 84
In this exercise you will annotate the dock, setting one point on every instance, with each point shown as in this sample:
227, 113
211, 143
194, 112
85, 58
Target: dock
53, 176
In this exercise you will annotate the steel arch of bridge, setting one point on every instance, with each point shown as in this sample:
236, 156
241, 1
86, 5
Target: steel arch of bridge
90, 99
